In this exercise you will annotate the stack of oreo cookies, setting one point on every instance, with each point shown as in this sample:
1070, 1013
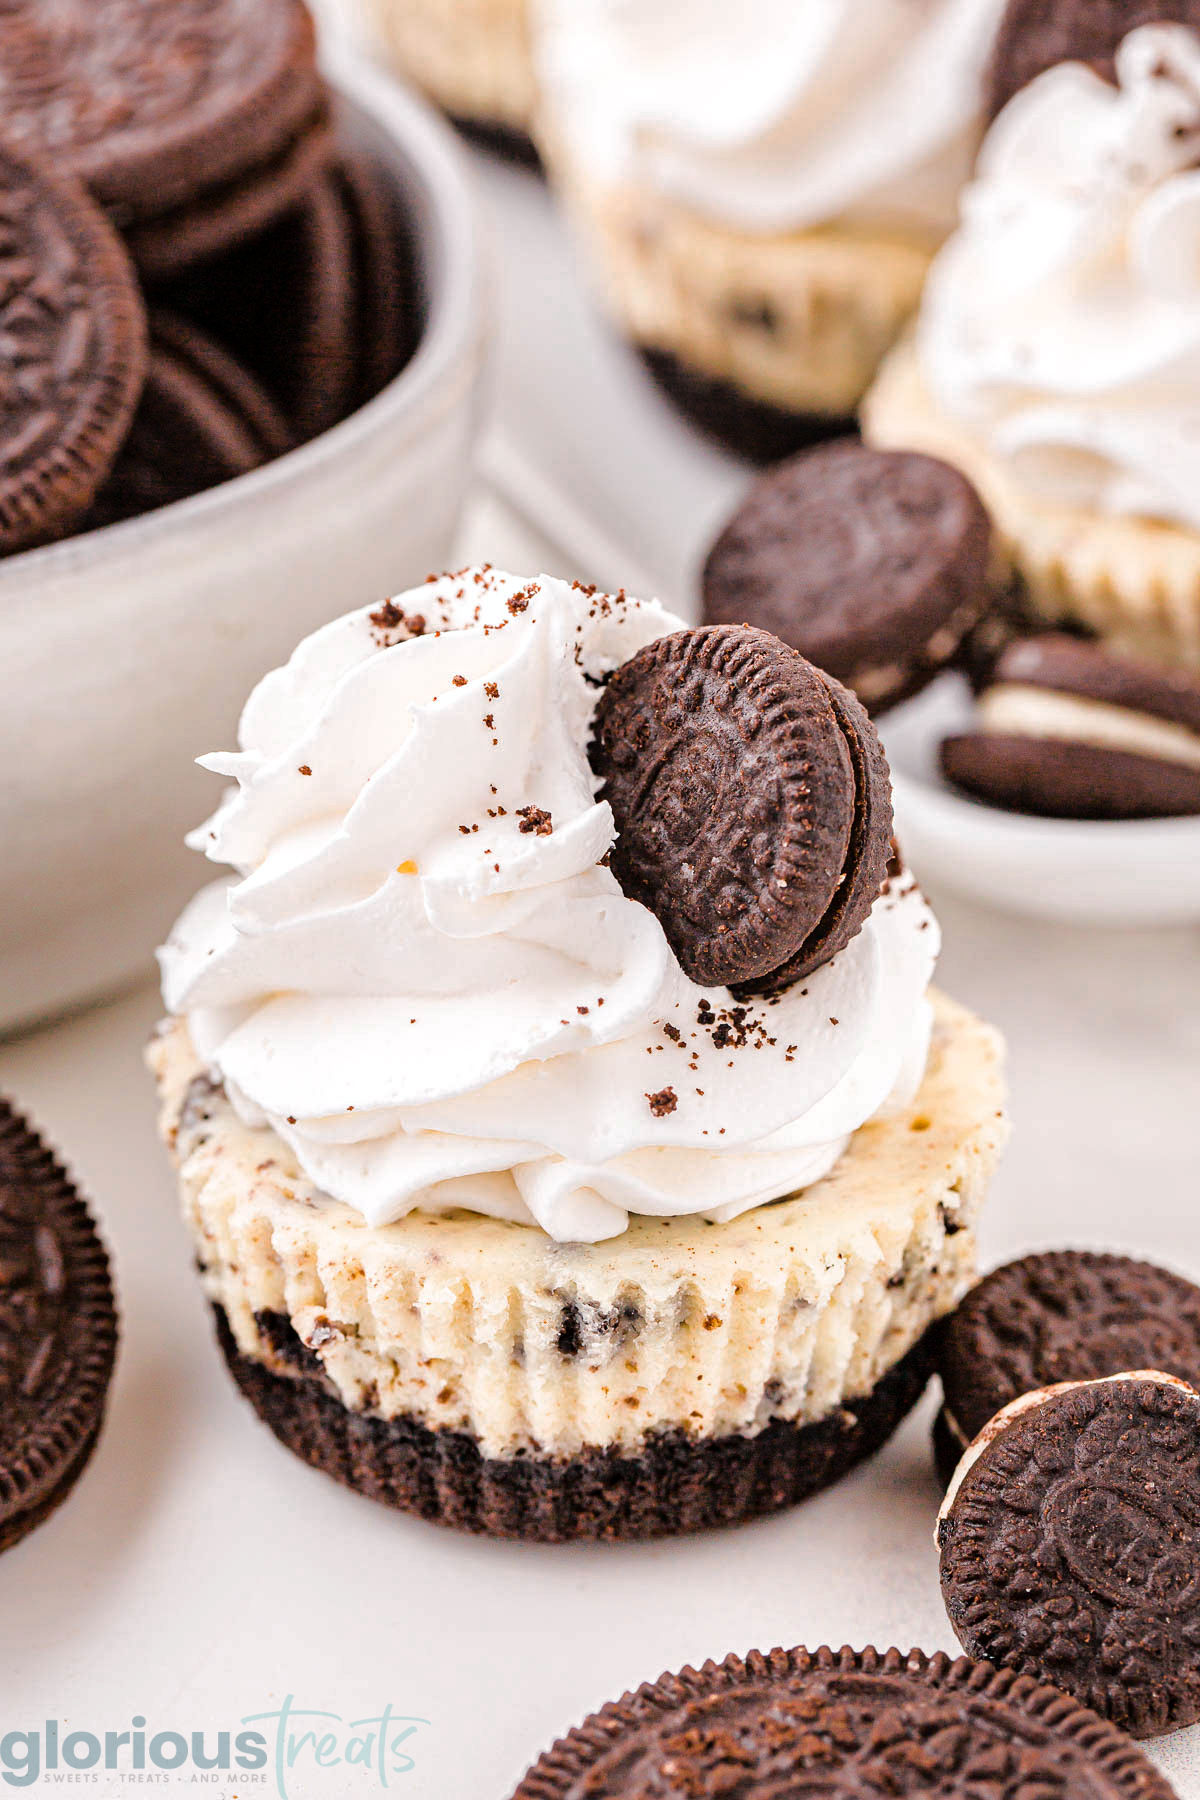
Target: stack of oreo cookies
196, 275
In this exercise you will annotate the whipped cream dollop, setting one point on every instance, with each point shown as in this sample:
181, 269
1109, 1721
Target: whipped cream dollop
1061, 323
427, 980
777, 115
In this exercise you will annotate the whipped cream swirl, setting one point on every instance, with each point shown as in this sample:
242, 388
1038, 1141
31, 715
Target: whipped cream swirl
1061, 324
426, 979
777, 116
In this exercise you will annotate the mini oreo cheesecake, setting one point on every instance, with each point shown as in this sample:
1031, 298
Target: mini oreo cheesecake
760, 191
570, 1140
473, 57
1056, 359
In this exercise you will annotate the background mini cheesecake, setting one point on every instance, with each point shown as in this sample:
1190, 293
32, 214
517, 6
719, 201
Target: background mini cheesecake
1056, 356
473, 57
537, 1188
759, 194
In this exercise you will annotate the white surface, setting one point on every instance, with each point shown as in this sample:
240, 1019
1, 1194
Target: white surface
584, 438
125, 653
200, 1573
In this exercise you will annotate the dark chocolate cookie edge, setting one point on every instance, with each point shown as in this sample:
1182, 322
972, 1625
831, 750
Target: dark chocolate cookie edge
676, 1484
561, 1771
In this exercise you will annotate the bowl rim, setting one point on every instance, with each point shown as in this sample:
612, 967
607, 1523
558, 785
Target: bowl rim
965, 817
450, 240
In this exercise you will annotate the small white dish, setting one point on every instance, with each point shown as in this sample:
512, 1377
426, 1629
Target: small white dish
1129, 873
125, 653
586, 447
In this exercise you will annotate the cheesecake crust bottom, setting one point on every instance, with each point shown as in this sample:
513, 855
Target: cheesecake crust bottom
671, 1484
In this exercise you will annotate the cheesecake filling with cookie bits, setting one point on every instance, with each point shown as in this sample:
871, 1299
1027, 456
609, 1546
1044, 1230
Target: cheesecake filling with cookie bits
426, 978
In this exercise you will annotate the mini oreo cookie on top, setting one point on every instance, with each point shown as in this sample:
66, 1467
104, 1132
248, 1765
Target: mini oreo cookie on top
74, 333
1059, 1315
843, 1725
58, 1331
1036, 35
871, 563
1066, 729
1070, 1546
752, 803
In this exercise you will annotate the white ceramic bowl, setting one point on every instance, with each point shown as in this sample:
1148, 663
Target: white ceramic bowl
127, 652
1135, 873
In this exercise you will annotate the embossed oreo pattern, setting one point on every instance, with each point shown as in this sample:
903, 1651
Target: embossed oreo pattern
72, 341
872, 563
1072, 1551
152, 101
1064, 1315
58, 1330
735, 798
843, 1724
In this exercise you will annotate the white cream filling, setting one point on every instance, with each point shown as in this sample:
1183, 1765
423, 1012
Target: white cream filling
1013, 708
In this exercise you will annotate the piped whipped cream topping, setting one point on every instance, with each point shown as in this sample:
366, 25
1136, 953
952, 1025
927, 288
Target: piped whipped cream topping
1061, 323
426, 979
776, 116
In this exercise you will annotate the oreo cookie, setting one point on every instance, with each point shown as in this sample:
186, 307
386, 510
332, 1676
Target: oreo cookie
844, 1725
388, 313
752, 803
871, 563
74, 333
1070, 1546
168, 109
1070, 730
1036, 35
58, 1331
203, 419
1060, 1315
338, 270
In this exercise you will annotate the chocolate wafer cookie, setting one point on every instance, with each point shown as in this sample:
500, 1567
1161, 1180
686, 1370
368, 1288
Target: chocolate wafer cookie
74, 334
1061, 1315
872, 563
1036, 35
1070, 1546
58, 1331
844, 1725
203, 419
752, 804
304, 347
1069, 730
160, 106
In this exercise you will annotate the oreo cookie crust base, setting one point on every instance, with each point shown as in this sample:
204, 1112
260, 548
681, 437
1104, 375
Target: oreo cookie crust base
680, 1375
